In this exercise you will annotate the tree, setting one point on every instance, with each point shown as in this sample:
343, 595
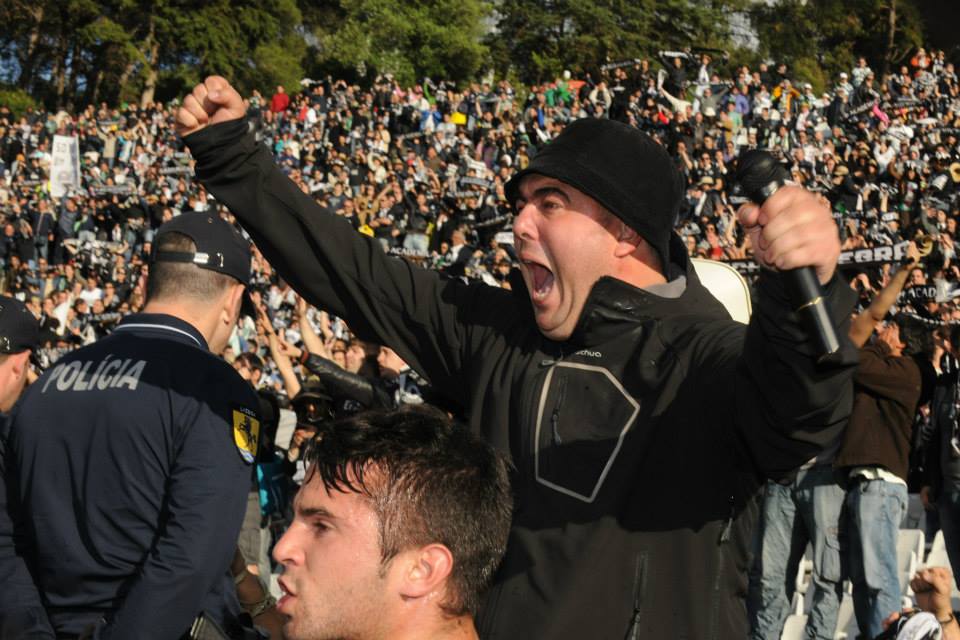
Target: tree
824, 37
538, 38
128, 49
439, 38
254, 43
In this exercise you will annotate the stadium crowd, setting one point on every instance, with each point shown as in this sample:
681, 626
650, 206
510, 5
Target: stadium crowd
422, 169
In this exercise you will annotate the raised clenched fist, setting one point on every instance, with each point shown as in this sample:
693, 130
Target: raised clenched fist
210, 102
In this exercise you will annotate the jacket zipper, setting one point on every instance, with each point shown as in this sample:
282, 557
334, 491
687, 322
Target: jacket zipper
555, 416
545, 363
639, 586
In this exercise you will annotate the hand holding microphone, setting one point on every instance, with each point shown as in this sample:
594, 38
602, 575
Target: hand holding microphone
791, 231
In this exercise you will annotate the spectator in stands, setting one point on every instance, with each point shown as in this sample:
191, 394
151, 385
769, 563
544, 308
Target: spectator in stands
398, 529
894, 377
280, 100
942, 490
808, 511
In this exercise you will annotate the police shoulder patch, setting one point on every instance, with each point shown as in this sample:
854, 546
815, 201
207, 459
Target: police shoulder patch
246, 433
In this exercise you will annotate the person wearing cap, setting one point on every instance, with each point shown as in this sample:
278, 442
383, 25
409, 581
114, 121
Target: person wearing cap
128, 461
19, 336
640, 419
844, 84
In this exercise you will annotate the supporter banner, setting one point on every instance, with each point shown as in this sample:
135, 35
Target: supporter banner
406, 253
478, 182
476, 165
930, 322
856, 257
493, 222
855, 113
410, 136
504, 237
949, 131
905, 103
918, 294
619, 63
166, 171
874, 255
65, 170
112, 189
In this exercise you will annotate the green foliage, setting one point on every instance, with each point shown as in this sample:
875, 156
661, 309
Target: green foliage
17, 100
439, 38
824, 37
538, 38
80, 51
89, 50
808, 69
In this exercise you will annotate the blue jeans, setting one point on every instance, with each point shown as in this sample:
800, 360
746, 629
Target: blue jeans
805, 511
948, 504
875, 509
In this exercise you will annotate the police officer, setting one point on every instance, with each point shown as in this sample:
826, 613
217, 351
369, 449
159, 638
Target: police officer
19, 335
128, 462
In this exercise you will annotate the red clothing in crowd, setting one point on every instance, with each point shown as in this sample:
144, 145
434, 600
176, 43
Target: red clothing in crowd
279, 102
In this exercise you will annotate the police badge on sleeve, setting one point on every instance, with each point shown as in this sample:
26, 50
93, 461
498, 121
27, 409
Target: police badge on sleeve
246, 433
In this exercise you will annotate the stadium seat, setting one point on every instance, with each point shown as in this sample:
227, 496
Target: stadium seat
804, 571
793, 627
798, 603
910, 546
937, 557
846, 622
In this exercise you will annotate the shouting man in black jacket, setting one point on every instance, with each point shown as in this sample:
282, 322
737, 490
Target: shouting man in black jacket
639, 417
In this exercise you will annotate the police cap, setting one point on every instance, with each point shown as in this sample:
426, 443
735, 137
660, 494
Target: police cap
19, 329
219, 246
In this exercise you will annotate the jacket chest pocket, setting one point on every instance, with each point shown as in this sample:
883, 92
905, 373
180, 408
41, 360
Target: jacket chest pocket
583, 415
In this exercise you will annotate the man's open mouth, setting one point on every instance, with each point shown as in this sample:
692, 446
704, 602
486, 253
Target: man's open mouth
542, 279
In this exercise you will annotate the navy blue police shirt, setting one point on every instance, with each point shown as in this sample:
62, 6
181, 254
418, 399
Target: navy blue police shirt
127, 467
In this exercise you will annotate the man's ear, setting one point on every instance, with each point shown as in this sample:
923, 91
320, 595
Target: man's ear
20, 362
424, 571
627, 240
231, 304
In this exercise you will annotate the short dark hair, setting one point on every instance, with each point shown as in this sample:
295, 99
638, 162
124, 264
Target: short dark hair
249, 360
429, 480
168, 280
915, 335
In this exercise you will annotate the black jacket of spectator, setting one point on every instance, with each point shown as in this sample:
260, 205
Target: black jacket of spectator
639, 443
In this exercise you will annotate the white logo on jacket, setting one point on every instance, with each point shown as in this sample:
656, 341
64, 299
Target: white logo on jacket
109, 373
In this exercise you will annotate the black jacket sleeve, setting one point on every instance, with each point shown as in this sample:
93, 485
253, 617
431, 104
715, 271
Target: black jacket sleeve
342, 383
790, 404
786, 406
22, 614
943, 413
430, 320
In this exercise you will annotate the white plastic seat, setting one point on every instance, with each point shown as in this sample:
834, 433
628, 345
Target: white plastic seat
793, 627
910, 546
846, 624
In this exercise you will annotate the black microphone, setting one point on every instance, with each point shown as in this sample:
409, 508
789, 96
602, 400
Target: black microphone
758, 177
